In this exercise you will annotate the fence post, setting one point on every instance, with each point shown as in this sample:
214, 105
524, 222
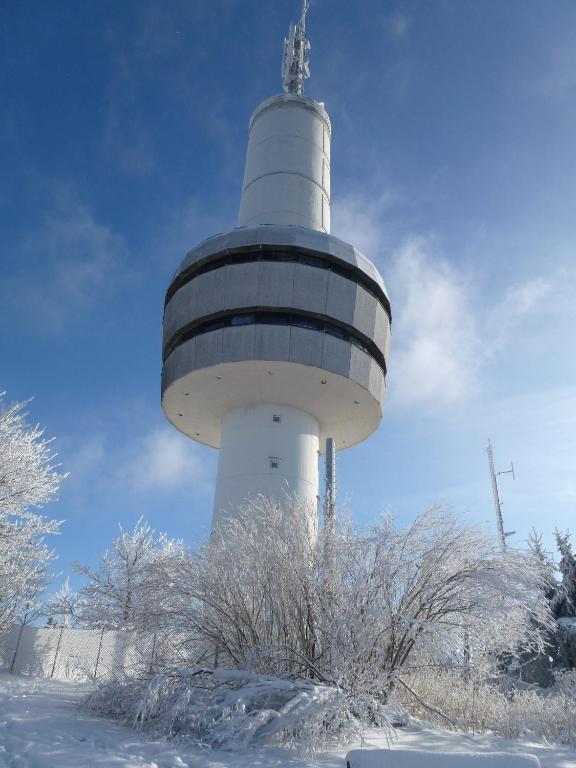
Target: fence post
57, 649
99, 651
17, 645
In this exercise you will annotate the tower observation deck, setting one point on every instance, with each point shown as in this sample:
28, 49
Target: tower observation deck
276, 334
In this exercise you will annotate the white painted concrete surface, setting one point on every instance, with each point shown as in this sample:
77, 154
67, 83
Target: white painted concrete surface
287, 172
196, 401
268, 450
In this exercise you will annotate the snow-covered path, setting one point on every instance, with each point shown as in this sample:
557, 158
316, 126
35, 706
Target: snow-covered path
43, 726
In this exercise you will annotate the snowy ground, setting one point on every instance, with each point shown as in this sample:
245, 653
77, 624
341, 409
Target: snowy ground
43, 726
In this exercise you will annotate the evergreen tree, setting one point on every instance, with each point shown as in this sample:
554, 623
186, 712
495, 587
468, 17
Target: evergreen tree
536, 547
566, 613
536, 666
567, 567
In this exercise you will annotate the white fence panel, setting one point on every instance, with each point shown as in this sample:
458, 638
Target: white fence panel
75, 654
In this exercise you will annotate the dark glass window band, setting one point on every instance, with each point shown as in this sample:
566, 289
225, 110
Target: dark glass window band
286, 255
265, 317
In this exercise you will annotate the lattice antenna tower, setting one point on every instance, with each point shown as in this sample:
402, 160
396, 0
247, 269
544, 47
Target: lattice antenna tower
295, 65
502, 534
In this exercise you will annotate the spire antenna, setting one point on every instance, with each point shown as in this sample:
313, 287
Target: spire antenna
295, 65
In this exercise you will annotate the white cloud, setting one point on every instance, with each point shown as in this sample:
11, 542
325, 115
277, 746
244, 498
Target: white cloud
435, 344
86, 458
524, 297
520, 301
162, 459
189, 226
398, 25
70, 260
437, 347
446, 331
360, 220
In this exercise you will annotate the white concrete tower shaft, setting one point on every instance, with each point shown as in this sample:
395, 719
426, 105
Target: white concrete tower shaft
268, 450
272, 450
287, 172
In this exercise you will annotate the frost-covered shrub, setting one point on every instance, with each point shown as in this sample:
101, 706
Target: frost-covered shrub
450, 700
350, 617
231, 709
263, 596
565, 682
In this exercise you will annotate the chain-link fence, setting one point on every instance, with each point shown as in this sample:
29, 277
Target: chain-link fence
76, 654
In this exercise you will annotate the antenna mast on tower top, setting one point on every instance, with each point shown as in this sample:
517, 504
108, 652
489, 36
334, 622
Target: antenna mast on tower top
295, 65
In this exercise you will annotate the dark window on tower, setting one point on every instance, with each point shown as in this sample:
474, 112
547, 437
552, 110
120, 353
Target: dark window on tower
307, 322
242, 320
264, 317
268, 254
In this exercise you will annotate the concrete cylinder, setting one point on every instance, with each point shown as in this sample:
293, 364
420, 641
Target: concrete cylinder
268, 450
287, 172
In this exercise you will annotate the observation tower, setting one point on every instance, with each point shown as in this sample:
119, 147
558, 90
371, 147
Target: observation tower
276, 333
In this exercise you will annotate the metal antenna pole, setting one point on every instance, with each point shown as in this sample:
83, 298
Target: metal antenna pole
499, 521
329, 531
497, 503
295, 65
330, 493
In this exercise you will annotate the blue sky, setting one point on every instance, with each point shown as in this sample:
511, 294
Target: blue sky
123, 129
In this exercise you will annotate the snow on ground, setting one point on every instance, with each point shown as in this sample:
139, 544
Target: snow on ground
42, 725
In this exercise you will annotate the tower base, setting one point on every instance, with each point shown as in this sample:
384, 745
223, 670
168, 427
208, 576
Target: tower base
266, 450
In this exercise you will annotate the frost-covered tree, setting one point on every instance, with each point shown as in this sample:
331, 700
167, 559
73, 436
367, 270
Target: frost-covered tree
28, 480
553, 591
119, 593
566, 603
567, 567
536, 665
64, 606
536, 547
